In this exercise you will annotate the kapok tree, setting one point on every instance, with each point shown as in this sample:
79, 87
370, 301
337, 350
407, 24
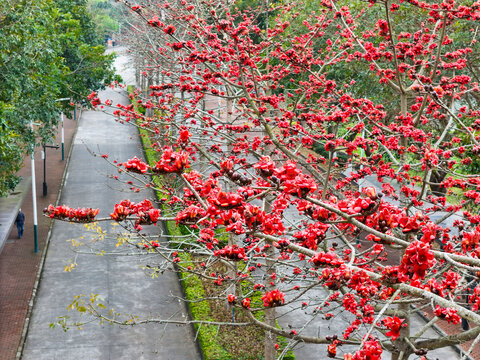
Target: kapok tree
309, 191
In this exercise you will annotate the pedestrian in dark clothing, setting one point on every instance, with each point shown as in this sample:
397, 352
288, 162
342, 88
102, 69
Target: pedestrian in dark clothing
20, 221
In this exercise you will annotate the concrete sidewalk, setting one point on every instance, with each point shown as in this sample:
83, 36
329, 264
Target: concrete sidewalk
117, 276
9, 207
18, 262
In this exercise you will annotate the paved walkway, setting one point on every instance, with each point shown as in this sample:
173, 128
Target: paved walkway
118, 277
18, 261
9, 207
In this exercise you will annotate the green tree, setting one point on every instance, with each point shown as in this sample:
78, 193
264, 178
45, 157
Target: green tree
49, 50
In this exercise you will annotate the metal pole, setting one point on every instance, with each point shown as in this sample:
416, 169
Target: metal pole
44, 157
34, 198
75, 112
63, 137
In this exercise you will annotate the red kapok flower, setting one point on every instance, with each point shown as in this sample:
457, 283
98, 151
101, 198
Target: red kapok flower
328, 258
136, 8
394, 325
448, 314
371, 192
265, 166
184, 134
273, 298
171, 162
136, 165
371, 350
301, 186
231, 298
169, 30
246, 303
332, 350
225, 200
232, 252
190, 215
155, 22
64, 212
418, 258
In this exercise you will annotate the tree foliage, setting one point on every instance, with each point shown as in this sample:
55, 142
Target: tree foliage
106, 15
49, 50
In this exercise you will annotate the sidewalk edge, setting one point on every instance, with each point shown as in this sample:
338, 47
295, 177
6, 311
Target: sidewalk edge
36, 284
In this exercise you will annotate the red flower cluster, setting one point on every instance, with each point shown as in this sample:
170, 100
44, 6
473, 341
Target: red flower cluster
207, 237
332, 350
329, 259
335, 277
394, 325
471, 239
475, 299
272, 224
370, 192
233, 252
385, 219
203, 188
273, 298
392, 274
155, 22
136, 8
120, 212
312, 235
253, 216
356, 205
265, 166
410, 224
448, 314
231, 298
226, 201
362, 283
94, 100
371, 350
148, 217
417, 260
64, 212
301, 186
184, 134
190, 215
288, 171
171, 162
144, 210
169, 29
136, 165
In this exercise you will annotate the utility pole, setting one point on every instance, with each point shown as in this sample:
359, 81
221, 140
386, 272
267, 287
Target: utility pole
61, 122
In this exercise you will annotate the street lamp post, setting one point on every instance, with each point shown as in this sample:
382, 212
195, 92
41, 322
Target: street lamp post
63, 137
34, 196
44, 157
63, 134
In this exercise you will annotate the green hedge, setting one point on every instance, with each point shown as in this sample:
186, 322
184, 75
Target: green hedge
192, 285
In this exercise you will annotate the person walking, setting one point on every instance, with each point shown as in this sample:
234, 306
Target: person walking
20, 221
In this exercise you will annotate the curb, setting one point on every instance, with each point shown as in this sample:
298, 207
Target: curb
36, 284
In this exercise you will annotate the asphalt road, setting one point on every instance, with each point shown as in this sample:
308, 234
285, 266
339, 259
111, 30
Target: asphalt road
118, 277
